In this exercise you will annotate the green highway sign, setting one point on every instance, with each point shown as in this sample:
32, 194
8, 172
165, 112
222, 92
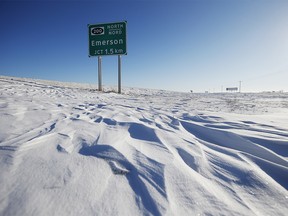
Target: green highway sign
107, 39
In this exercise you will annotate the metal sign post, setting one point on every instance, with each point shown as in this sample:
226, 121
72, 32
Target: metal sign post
119, 74
99, 73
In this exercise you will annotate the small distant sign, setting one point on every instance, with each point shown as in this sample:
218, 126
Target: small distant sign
107, 39
232, 89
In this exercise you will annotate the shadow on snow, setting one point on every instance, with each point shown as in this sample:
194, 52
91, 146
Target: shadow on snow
133, 175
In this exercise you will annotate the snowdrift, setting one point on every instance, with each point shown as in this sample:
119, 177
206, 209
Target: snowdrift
66, 149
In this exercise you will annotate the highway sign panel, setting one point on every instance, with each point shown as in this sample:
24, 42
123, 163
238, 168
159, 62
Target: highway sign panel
107, 39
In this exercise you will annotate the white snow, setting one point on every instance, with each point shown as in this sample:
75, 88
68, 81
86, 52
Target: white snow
66, 149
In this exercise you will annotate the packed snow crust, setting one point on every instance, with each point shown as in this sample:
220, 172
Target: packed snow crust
66, 149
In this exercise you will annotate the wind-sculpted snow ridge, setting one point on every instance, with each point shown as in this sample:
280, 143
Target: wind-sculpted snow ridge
66, 149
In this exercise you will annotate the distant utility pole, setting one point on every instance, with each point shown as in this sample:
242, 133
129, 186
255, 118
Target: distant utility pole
240, 86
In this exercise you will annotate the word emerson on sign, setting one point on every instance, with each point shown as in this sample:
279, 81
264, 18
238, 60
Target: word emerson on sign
106, 42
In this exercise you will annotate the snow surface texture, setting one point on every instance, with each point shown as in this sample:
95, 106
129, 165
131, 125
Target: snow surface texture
68, 150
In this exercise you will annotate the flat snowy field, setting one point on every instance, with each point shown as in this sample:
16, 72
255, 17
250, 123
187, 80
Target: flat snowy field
68, 150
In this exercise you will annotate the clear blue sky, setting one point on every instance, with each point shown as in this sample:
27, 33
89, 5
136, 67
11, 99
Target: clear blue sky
199, 45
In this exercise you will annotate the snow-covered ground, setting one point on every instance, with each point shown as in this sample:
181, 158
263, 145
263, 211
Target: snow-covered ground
66, 149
